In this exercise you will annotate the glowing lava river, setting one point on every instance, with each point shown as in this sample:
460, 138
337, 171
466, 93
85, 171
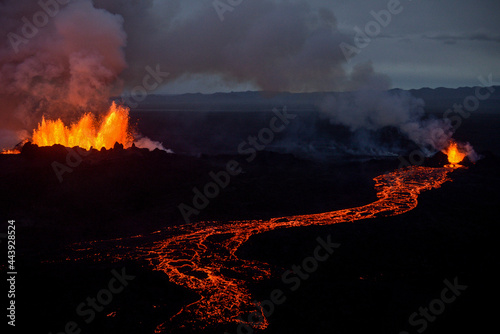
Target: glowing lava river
202, 256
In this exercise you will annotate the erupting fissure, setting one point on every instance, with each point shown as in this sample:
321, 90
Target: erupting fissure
455, 156
88, 132
203, 256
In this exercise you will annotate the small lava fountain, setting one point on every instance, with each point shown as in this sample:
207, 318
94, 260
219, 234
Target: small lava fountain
455, 155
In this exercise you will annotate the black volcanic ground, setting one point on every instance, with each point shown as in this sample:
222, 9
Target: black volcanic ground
119, 192
384, 270
402, 260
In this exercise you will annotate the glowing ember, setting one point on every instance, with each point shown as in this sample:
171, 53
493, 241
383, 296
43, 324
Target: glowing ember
455, 156
203, 256
87, 132
10, 152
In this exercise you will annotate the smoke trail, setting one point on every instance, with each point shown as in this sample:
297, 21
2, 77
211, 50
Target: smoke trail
151, 145
375, 107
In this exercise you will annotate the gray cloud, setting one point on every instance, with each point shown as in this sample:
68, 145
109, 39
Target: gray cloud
276, 46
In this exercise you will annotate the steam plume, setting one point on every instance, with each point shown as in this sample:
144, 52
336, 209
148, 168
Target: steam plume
374, 109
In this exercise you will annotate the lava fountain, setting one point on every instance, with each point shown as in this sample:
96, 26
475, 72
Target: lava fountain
455, 155
88, 132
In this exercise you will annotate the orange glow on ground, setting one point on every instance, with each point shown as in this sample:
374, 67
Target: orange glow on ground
10, 152
202, 256
87, 133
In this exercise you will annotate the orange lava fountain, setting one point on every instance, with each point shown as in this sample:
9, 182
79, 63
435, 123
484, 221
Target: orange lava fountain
202, 256
87, 133
455, 156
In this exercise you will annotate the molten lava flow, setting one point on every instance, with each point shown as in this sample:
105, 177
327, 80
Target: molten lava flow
87, 132
202, 256
14, 151
454, 154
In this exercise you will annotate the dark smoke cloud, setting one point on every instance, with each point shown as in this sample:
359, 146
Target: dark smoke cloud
277, 46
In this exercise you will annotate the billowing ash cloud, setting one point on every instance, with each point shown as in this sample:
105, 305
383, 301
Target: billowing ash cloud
57, 59
276, 45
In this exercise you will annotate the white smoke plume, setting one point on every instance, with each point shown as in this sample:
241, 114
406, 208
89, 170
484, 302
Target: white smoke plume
151, 145
469, 150
373, 110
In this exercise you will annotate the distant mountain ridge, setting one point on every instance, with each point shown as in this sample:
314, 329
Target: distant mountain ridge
436, 99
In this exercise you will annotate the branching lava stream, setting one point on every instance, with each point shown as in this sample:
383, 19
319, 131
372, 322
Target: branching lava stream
202, 256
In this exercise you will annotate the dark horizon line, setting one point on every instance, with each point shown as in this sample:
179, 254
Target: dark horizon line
315, 92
